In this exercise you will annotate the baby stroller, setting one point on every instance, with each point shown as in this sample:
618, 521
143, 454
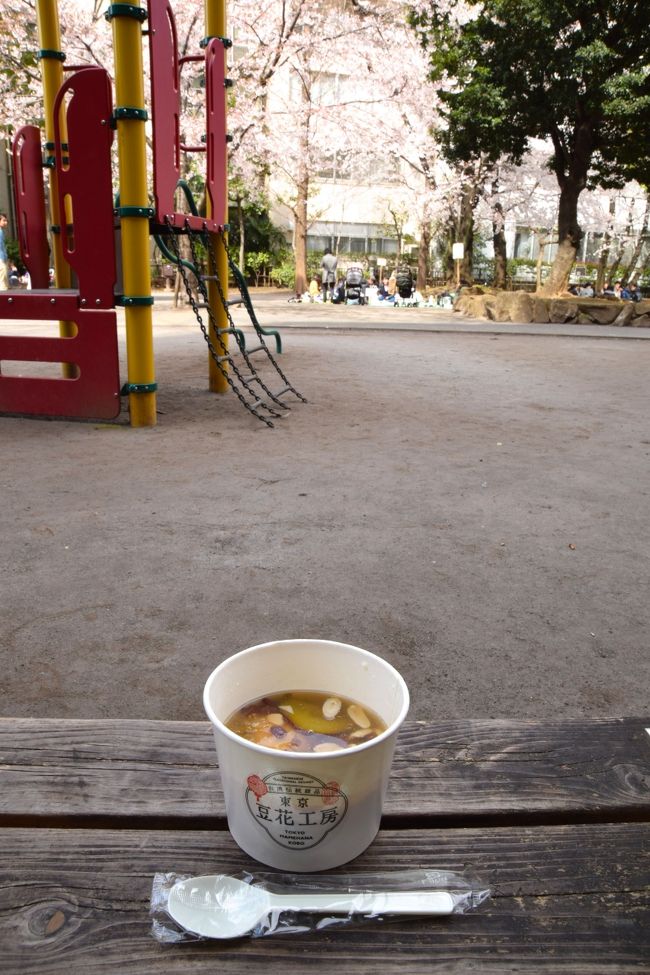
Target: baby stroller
404, 282
355, 292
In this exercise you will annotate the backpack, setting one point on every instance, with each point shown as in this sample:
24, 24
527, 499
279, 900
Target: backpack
404, 281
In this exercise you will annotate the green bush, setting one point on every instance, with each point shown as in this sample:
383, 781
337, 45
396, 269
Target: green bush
283, 275
258, 263
13, 254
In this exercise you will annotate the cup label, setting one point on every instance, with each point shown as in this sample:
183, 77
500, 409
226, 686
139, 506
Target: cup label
297, 810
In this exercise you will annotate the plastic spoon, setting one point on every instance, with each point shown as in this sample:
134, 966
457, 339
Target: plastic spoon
219, 906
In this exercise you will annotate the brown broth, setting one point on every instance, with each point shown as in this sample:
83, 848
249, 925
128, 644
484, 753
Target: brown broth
306, 721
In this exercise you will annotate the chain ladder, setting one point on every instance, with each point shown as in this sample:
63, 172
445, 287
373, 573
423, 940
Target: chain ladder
251, 313
255, 378
232, 328
219, 358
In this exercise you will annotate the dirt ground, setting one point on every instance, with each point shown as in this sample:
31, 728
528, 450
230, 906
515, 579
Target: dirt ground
472, 506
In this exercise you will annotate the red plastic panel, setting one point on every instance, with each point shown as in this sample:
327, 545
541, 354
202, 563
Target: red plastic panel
29, 195
85, 182
165, 105
165, 117
217, 174
94, 394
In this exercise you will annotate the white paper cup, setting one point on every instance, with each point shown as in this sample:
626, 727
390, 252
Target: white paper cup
302, 811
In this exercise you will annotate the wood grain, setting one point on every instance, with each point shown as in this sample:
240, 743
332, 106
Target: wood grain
565, 900
163, 774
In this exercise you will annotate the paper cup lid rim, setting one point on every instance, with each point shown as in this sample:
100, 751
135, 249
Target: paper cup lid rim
310, 756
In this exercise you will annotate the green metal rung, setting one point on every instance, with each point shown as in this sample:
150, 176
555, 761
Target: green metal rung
246, 298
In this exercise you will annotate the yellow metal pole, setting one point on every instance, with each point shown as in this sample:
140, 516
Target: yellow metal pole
134, 201
215, 26
51, 58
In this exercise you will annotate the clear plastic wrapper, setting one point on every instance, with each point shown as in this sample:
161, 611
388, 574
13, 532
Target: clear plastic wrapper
186, 908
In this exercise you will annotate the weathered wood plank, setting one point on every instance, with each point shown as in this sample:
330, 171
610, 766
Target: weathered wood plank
162, 773
565, 900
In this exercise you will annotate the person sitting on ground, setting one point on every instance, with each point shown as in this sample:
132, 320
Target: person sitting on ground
391, 288
338, 292
382, 289
314, 290
629, 293
586, 290
608, 290
371, 292
634, 293
618, 289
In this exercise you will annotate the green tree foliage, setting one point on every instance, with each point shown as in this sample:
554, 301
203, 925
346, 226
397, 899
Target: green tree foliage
574, 71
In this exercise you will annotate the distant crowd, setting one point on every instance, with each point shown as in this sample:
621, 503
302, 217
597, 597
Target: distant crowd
356, 287
619, 289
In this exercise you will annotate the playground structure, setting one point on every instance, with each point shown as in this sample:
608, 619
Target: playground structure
100, 242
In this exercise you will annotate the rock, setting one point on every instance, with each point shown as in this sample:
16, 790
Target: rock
476, 289
540, 310
562, 310
521, 308
490, 306
641, 321
599, 310
502, 307
477, 307
625, 315
642, 307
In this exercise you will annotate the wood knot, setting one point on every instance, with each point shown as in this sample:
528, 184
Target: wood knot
56, 921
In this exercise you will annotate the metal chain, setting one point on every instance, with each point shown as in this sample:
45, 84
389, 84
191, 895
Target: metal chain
224, 301
258, 404
251, 314
255, 377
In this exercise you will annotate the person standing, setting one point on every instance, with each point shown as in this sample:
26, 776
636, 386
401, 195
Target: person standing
4, 259
328, 271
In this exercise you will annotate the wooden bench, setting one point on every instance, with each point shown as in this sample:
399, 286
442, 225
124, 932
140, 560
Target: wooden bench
552, 815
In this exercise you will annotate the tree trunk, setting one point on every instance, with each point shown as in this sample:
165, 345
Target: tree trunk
465, 233
423, 255
569, 235
302, 196
620, 250
603, 260
242, 235
499, 244
629, 271
543, 243
300, 237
